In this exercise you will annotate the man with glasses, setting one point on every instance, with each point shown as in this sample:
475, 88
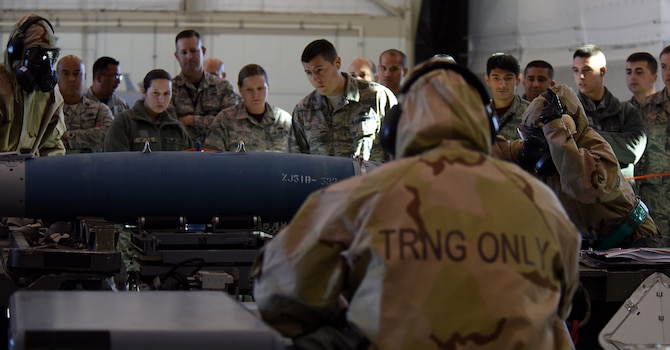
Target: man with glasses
106, 78
31, 111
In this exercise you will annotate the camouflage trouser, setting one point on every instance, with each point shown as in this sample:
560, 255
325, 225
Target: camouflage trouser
656, 199
127, 252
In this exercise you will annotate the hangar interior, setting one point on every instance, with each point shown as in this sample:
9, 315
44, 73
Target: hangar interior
273, 33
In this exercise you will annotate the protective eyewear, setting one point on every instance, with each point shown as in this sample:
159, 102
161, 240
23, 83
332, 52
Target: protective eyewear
114, 76
36, 56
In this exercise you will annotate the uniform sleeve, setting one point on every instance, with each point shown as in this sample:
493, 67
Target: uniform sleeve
92, 138
228, 99
117, 139
654, 159
297, 142
202, 124
186, 138
589, 171
300, 274
506, 150
52, 143
629, 143
217, 136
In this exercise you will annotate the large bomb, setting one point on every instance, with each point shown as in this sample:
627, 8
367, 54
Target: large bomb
123, 186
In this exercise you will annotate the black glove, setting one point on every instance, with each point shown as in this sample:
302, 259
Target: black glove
552, 107
534, 156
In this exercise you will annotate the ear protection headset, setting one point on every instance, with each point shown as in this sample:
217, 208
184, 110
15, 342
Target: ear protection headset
389, 128
15, 45
31, 75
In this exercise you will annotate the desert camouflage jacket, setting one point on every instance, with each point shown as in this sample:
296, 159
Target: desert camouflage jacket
420, 250
588, 179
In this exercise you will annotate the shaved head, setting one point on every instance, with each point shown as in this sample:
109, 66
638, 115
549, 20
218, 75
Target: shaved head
71, 78
214, 66
362, 68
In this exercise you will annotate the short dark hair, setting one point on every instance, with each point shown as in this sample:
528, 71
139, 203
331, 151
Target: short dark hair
503, 61
188, 33
251, 70
664, 51
587, 51
540, 64
100, 65
395, 52
373, 66
153, 75
644, 57
318, 47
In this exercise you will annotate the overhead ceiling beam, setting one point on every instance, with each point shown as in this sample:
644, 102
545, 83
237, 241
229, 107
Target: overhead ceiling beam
392, 10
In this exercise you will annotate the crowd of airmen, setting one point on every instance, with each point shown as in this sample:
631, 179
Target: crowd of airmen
214, 116
636, 129
200, 108
608, 157
203, 103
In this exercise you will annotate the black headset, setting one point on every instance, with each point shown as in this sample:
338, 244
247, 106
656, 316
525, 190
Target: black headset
29, 76
389, 128
15, 45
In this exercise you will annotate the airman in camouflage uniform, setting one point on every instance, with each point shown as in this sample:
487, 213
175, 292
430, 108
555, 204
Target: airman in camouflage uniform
106, 78
234, 124
197, 95
503, 76
538, 76
204, 102
115, 103
617, 121
656, 159
641, 75
511, 119
254, 122
343, 116
87, 121
419, 254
